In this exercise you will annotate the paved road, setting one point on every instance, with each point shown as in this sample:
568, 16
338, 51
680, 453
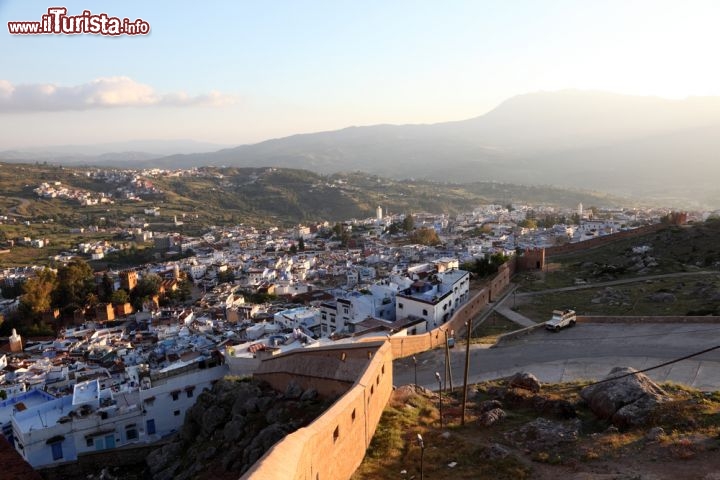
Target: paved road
22, 202
587, 351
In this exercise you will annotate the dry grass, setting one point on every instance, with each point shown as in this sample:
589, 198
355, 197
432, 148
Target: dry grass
691, 422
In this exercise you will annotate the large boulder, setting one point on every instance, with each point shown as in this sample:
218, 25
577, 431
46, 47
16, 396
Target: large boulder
491, 417
524, 381
625, 397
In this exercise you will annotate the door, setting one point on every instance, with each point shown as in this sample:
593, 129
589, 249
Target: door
110, 441
151, 426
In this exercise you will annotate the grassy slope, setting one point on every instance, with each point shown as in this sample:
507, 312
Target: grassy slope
675, 249
691, 422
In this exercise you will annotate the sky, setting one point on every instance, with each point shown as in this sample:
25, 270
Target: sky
235, 72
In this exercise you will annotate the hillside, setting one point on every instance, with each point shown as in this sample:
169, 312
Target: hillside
644, 147
549, 434
261, 196
623, 144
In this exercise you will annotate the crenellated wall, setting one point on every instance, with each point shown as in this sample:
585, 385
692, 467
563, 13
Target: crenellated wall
602, 241
334, 445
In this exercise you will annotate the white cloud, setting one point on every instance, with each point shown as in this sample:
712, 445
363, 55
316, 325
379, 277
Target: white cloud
109, 92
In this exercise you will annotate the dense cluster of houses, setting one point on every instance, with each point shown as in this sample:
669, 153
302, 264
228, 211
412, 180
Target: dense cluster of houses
120, 376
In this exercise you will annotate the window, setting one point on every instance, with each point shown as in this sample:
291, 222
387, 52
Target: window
353, 415
57, 452
89, 441
400, 305
424, 312
131, 432
336, 434
175, 395
176, 413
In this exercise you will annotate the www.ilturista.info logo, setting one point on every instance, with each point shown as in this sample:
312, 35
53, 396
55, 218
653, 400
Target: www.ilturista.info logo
58, 22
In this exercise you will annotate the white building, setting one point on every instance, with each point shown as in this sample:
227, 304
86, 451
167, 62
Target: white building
93, 419
342, 314
434, 300
297, 317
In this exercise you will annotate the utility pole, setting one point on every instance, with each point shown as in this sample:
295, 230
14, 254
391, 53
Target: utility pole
467, 370
415, 363
448, 367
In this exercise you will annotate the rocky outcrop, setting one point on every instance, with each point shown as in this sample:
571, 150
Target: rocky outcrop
626, 401
524, 381
542, 434
524, 397
491, 417
612, 296
662, 297
231, 427
488, 405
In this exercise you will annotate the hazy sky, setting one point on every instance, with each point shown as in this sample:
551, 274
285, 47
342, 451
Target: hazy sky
235, 72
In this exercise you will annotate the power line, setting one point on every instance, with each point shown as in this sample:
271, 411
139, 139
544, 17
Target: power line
654, 367
664, 364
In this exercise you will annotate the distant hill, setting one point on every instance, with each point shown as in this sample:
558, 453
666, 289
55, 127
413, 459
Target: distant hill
623, 144
116, 154
646, 147
269, 195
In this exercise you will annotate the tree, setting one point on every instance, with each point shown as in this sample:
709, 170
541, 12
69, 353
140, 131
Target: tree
227, 276
184, 291
485, 266
119, 297
146, 288
106, 288
301, 244
37, 293
293, 249
338, 229
528, 223
408, 223
75, 281
425, 236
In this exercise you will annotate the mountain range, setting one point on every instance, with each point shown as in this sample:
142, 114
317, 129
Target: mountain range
646, 147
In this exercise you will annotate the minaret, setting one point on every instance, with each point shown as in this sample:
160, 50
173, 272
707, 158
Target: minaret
15, 342
580, 210
378, 213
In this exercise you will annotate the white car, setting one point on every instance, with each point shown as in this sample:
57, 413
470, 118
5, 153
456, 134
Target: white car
561, 319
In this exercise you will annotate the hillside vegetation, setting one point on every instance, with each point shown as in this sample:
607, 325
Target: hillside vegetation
548, 435
675, 271
214, 195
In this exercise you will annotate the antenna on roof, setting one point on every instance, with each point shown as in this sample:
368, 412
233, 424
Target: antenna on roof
41, 420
